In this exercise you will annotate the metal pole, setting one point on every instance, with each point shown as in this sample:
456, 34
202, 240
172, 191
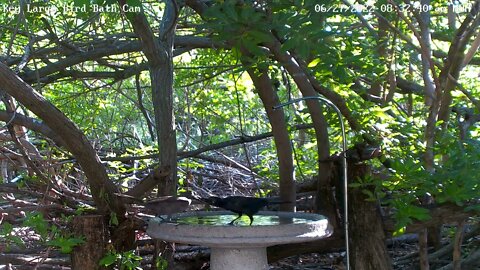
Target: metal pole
344, 161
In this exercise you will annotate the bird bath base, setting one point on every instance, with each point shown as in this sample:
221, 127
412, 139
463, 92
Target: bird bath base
240, 247
238, 258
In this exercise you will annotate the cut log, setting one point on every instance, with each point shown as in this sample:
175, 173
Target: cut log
93, 230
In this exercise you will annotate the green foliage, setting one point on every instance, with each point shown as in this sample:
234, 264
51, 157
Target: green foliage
161, 263
65, 244
127, 260
456, 177
37, 222
371, 188
239, 23
9, 237
49, 234
406, 212
113, 219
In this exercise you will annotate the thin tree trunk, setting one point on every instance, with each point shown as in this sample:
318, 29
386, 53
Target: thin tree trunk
456, 60
159, 52
457, 247
283, 145
423, 249
325, 202
432, 96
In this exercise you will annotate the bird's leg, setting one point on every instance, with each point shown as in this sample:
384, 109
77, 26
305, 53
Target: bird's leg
251, 219
239, 216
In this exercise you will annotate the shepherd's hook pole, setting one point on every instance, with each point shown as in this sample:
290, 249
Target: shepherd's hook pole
344, 159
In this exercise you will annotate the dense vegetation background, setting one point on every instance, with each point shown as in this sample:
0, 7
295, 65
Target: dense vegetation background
150, 98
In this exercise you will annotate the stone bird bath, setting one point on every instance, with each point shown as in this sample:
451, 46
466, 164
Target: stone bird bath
239, 247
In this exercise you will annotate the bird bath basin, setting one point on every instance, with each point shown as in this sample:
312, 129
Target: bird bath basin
241, 246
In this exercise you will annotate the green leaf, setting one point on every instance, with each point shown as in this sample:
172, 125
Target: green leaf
161, 263
370, 195
229, 9
37, 222
400, 231
113, 219
259, 36
108, 259
314, 62
419, 213
7, 228
251, 46
66, 245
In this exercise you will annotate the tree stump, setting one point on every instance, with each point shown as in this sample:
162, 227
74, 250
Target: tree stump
93, 230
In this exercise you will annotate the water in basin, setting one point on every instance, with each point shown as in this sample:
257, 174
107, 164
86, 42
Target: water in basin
220, 220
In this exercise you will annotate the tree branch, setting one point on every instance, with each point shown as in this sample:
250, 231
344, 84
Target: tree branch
102, 188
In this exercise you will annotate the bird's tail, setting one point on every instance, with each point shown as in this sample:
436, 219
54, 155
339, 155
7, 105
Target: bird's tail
277, 201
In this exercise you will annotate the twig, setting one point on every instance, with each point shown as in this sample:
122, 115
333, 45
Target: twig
457, 247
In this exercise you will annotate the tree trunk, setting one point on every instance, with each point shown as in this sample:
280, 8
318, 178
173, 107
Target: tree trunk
159, 52
368, 241
92, 229
162, 95
423, 249
283, 145
325, 202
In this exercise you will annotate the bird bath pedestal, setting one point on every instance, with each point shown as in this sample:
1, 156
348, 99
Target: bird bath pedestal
239, 247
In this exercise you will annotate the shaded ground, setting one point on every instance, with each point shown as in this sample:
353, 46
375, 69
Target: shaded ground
402, 251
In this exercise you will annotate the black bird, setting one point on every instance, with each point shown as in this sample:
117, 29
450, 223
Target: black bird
241, 205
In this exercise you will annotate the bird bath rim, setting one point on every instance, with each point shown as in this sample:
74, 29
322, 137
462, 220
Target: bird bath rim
315, 228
